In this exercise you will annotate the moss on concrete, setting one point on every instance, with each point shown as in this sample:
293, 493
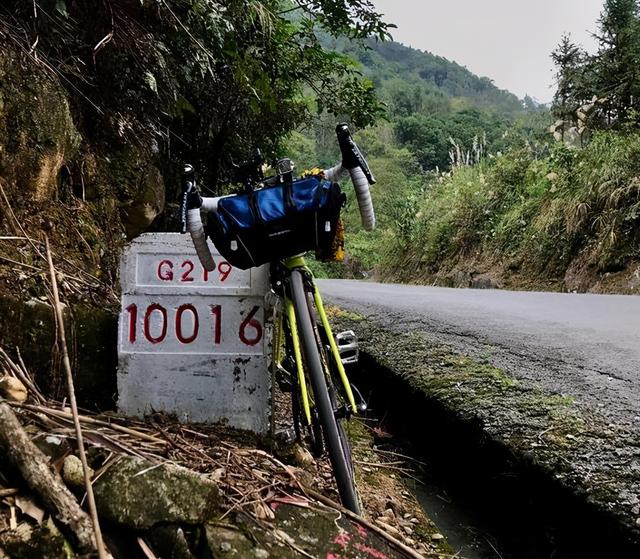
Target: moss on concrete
572, 445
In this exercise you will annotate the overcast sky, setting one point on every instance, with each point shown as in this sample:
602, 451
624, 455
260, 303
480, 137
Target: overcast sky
507, 40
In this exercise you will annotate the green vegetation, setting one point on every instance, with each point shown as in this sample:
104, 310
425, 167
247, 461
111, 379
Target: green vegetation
207, 81
102, 102
536, 215
609, 79
468, 175
472, 182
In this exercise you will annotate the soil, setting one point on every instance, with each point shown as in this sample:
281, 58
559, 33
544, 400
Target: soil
383, 479
482, 272
278, 515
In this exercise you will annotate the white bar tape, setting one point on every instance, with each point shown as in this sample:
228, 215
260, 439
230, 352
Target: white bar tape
361, 184
195, 228
335, 173
210, 204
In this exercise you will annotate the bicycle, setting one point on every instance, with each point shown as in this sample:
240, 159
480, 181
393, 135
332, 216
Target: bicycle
305, 349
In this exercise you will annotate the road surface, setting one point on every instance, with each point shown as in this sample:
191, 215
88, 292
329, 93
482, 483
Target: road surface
584, 346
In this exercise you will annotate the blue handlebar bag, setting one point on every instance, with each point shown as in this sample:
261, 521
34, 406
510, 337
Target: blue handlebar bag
274, 222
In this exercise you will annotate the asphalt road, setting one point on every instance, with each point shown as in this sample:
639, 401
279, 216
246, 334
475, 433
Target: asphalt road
585, 346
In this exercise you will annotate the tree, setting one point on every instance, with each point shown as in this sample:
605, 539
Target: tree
616, 66
569, 60
206, 81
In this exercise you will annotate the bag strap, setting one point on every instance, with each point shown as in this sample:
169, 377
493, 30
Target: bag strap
287, 192
253, 206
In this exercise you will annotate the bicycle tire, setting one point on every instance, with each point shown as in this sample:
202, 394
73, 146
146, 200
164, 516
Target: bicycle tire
342, 471
311, 436
333, 393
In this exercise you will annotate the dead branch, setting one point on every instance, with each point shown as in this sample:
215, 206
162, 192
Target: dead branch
34, 468
102, 553
93, 421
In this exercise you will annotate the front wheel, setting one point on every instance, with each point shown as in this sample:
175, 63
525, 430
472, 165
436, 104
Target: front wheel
335, 439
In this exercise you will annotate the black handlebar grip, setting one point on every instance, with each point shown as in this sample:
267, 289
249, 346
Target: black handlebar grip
351, 155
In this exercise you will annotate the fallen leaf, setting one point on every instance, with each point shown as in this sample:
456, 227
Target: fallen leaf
288, 500
263, 512
28, 507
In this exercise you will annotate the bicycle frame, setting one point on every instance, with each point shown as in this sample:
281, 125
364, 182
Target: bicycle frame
298, 262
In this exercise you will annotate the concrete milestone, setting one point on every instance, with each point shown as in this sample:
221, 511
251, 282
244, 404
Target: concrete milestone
191, 342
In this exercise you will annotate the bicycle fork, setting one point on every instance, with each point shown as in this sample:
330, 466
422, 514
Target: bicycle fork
297, 350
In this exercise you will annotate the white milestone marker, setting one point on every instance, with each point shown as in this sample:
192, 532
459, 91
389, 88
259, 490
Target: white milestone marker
191, 342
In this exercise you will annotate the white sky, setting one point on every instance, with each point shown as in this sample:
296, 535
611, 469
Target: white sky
507, 40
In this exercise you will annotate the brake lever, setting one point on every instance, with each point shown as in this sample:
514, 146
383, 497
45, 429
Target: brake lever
351, 155
190, 197
249, 172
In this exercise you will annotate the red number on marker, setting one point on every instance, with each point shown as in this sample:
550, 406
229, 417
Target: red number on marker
147, 323
250, 322
133, 321
196, 324
225, 269
165, 270
216, 311
185, 275
205, 275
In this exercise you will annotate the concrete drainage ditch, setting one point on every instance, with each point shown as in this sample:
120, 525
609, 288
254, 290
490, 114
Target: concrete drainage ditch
487, 500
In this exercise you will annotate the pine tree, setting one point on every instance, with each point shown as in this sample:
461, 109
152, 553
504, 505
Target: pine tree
617, 64
569, 59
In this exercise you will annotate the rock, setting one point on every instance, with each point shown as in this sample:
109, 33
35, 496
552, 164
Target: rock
302, 457
388, 513
318, 532
226, 542
72, 472
12, 389
147, 206
28, 542
572, 138
37, 133
143, 188
169, 541
137, 493
437, 537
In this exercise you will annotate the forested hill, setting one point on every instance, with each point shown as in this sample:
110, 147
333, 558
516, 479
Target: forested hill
474, 189
431, 101
392, 65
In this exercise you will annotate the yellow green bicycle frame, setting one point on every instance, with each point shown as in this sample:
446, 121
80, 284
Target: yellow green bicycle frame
289, 313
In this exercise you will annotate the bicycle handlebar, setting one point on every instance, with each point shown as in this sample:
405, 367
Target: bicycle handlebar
353, 162
191, 220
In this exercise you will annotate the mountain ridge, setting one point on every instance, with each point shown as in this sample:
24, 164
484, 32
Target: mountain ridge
383, 61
